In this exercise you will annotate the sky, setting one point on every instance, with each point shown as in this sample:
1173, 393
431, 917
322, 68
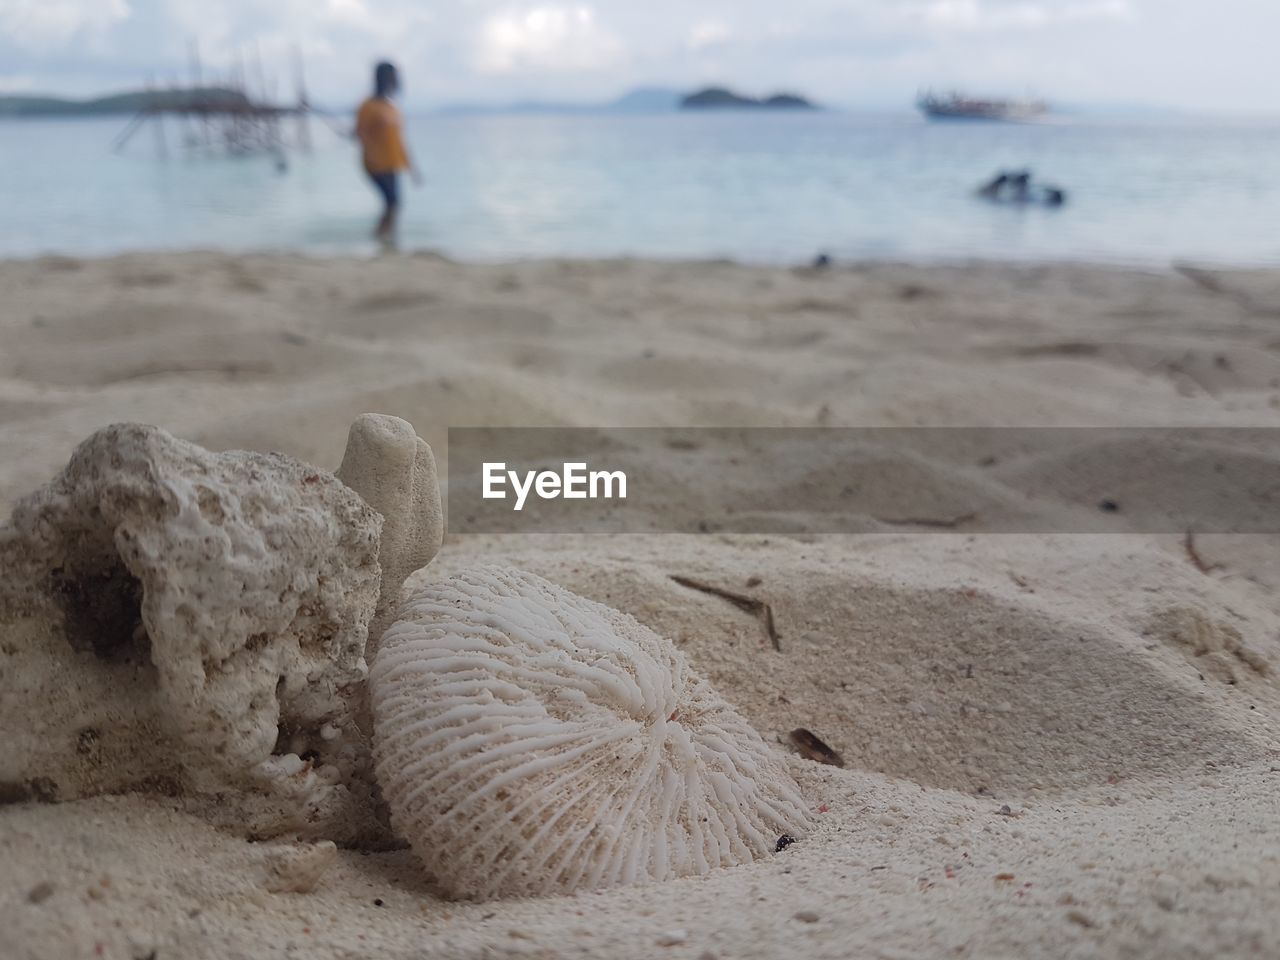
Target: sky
1192, 54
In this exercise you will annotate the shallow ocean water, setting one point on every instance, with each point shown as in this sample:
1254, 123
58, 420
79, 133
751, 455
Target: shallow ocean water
752, 186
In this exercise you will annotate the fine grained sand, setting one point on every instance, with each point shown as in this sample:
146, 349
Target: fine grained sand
1054, 745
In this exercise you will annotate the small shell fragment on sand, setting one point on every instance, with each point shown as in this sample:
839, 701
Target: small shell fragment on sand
297, 868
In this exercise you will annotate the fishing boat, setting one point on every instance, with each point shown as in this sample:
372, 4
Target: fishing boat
956, 106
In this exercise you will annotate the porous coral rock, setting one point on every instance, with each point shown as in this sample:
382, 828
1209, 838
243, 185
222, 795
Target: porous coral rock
190, 622
530, 741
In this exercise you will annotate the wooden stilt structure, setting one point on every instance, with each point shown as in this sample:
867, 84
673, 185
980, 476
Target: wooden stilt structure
234, 114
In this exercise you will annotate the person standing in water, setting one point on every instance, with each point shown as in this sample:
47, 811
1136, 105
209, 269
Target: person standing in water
380, 131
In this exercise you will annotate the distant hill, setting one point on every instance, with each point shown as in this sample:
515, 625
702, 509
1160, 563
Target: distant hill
718, 98
646, 100
638, 101
118, 103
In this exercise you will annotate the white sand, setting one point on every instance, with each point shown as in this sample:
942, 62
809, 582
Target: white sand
1057, 746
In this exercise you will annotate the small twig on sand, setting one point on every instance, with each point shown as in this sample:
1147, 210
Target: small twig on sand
1207, 280
757, 608
942, 523
1201, 278
1189, 544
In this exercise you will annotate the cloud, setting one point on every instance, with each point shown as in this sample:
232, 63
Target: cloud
977, 15
41, 25
839, 51
348, 11
708, 33
546, 37
16, 82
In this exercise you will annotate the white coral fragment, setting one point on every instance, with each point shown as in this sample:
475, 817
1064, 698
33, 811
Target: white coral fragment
530, 742
394, 470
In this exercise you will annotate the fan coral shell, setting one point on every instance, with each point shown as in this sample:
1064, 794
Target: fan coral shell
530, 742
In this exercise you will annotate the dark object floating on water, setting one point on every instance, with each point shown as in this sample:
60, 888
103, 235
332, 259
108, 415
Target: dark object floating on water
1109, 506
956, 106
1016, 187
814, 749
784, 841
718, 98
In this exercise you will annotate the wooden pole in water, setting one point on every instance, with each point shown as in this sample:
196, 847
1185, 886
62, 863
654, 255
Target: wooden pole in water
265, 120
242, 110
193, 53
153, 108
197, 92
304, 108
127, 133
162, 145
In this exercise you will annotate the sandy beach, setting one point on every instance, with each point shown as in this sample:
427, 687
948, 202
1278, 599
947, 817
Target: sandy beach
1054, 745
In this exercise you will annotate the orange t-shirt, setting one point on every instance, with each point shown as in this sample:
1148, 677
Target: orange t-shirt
378, 127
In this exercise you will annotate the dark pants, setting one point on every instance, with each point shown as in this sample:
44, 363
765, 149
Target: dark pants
388, 185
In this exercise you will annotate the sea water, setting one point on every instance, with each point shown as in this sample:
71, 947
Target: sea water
770, 187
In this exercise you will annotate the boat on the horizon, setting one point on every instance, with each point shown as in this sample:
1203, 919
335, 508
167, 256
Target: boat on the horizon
956, 106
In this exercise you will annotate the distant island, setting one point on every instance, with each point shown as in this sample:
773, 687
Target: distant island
119, 103
644, 100
639, 101
718, 98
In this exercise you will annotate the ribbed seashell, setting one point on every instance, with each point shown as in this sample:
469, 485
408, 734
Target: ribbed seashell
530, 741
